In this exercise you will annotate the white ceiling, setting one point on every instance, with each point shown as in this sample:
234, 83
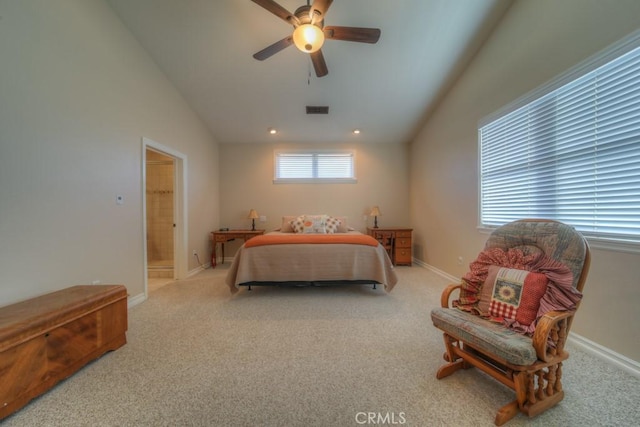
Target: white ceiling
205, 47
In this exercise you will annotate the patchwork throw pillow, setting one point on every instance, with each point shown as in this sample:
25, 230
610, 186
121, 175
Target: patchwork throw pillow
509, 293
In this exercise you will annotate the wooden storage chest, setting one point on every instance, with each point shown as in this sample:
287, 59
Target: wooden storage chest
46, 339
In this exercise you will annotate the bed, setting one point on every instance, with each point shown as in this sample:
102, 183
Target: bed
286, 258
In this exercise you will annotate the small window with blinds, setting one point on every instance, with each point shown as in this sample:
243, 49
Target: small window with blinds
314, 167
570, 152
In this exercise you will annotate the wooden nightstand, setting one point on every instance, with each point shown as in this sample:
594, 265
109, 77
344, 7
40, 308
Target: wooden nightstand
396, 241
226, 236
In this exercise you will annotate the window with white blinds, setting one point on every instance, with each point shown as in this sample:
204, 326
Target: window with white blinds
315, 166
572, 154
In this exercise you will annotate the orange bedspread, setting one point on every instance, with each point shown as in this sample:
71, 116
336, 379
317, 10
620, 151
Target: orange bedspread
282, 239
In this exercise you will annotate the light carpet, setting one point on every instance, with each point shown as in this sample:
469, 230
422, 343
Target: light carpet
339, 356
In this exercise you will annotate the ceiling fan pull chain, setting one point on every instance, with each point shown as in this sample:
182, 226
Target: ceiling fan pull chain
309, 74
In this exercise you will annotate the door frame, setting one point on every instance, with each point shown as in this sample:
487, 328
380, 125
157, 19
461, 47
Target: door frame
180, 241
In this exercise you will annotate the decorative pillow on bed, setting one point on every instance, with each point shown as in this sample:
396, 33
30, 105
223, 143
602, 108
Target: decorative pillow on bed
297, 224
309, 224
315, 224
332, 225
286, 224
292, 224
342, 228
508, 293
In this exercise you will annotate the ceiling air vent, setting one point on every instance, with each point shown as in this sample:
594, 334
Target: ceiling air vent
311, 109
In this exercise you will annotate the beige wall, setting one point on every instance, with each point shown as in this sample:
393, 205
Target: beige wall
247, 182
537, 40
77, 95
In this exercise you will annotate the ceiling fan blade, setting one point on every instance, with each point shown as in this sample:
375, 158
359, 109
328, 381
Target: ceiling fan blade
277, 10
319, 64
319, 10
273, 49
353, 34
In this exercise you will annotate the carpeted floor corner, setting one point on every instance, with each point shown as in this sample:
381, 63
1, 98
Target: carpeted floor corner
199, 356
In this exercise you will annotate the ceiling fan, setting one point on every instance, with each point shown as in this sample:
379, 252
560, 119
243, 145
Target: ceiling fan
309, 32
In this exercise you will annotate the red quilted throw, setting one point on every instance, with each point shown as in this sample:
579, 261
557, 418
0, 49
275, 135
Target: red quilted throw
518, 299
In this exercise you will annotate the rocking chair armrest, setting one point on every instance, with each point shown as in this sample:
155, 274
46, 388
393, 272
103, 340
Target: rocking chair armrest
446, 293
551, 334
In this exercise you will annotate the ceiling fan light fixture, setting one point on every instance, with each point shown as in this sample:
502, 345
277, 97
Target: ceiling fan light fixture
308, 38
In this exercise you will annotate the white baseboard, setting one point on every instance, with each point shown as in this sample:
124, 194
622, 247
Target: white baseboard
439, 272
606, 354
601, 352
138, 299
198, 269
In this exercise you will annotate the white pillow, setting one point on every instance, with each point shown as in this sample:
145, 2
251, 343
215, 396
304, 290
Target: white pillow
343, 227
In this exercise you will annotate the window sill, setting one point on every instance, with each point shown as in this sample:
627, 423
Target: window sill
315, 181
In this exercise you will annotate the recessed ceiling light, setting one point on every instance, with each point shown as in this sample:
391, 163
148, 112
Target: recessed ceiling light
356, 131
272, 131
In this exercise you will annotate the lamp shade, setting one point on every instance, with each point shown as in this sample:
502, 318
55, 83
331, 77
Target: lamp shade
308, 38
375, 211
253, 214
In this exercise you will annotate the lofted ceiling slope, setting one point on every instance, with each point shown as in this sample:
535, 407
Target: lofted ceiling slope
205, 48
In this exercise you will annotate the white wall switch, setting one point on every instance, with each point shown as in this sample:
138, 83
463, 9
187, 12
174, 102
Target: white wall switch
119, 200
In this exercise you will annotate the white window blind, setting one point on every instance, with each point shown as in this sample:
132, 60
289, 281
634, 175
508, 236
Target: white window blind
572, 155
314, 166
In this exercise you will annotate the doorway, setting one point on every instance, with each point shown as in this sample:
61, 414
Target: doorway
160, 178
164, 219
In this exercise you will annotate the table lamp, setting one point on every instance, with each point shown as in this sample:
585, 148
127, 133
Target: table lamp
253, 215
375, 213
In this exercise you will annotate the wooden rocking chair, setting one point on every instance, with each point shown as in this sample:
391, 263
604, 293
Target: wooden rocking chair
529, 363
